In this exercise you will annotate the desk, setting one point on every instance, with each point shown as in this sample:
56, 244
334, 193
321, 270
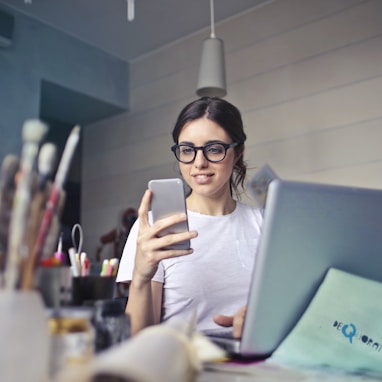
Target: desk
212, 376
73, 373
209, 376
220, 376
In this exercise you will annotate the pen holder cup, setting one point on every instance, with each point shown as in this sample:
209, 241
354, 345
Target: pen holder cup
88, 289
24, 354
55, 284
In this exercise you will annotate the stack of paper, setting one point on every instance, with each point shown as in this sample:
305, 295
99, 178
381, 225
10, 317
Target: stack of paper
341, 329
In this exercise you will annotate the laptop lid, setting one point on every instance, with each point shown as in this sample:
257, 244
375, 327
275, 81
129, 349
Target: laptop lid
307, 229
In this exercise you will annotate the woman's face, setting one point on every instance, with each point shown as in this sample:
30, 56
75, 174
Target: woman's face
204, 177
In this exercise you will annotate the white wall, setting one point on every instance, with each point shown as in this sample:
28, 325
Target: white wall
307, 76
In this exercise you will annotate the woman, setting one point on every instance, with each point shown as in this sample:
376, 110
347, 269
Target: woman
213, 277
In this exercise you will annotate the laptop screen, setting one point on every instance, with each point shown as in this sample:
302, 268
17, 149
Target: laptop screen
308, 228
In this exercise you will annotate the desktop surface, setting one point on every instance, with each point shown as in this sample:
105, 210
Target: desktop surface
273, 375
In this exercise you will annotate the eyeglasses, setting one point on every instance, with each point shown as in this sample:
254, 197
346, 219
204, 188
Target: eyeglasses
213, 152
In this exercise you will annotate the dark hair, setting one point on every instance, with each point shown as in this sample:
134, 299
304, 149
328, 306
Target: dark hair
225, 115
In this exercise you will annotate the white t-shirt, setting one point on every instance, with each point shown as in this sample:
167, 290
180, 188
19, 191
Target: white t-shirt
215, 278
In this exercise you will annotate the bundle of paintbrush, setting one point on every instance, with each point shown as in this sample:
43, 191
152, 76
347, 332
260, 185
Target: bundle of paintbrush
31, 204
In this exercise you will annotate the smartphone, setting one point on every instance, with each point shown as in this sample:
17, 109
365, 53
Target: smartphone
168, 199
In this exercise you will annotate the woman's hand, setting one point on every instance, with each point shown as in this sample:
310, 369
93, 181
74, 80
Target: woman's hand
236, 321
149, 245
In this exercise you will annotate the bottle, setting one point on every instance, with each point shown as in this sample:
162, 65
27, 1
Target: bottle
111, 323
72, 338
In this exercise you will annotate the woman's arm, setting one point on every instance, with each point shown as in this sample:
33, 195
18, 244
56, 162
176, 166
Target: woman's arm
145, 296
144, 305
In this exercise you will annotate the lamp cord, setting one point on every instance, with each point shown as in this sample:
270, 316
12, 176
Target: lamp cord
212, 19
130, 10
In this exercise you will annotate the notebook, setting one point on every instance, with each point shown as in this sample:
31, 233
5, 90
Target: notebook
307, 229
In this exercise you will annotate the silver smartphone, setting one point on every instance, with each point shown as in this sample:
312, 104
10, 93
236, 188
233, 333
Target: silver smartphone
168, 199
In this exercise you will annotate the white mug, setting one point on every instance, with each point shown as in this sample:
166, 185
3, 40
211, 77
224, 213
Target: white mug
24, 346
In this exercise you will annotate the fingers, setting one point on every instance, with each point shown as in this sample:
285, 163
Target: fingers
164, 223
150, 253
159, 240
236, 321
161, 224
154, 246
173, 241
143, 209
222, 320
152, 237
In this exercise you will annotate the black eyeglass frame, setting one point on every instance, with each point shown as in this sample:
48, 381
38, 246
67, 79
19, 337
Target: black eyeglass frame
226, 146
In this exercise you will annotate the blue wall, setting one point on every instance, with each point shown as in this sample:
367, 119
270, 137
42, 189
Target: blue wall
41, 53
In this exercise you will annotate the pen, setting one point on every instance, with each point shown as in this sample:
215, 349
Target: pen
74, 266
84, 264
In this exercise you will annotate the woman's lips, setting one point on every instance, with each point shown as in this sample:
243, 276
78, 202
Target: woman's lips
202, 178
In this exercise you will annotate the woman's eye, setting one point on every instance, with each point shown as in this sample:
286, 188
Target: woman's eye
187, 151
215, 149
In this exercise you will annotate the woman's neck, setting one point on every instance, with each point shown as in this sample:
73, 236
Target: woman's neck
211, 205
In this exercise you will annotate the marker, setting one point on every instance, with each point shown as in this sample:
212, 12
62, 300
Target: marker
85, 264
59, 255
105, 264
73, 262
115, 264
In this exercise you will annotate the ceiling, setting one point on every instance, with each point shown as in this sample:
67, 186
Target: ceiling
104, 24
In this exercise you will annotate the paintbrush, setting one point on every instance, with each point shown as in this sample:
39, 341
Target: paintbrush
45, 166
9, 169
33, 133
45, 163
53, 201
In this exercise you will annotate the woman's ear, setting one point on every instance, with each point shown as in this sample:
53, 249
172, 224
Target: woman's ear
240, 152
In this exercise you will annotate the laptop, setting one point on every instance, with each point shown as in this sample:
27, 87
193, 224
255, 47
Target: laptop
307, 229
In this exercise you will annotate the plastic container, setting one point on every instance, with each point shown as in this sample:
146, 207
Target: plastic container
111, 323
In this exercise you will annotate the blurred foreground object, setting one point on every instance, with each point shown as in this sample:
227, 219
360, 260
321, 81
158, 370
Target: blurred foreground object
161, 353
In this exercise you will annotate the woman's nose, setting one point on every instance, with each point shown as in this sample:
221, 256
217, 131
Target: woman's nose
200, 160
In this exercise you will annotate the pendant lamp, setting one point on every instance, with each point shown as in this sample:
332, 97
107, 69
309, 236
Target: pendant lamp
211, 80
